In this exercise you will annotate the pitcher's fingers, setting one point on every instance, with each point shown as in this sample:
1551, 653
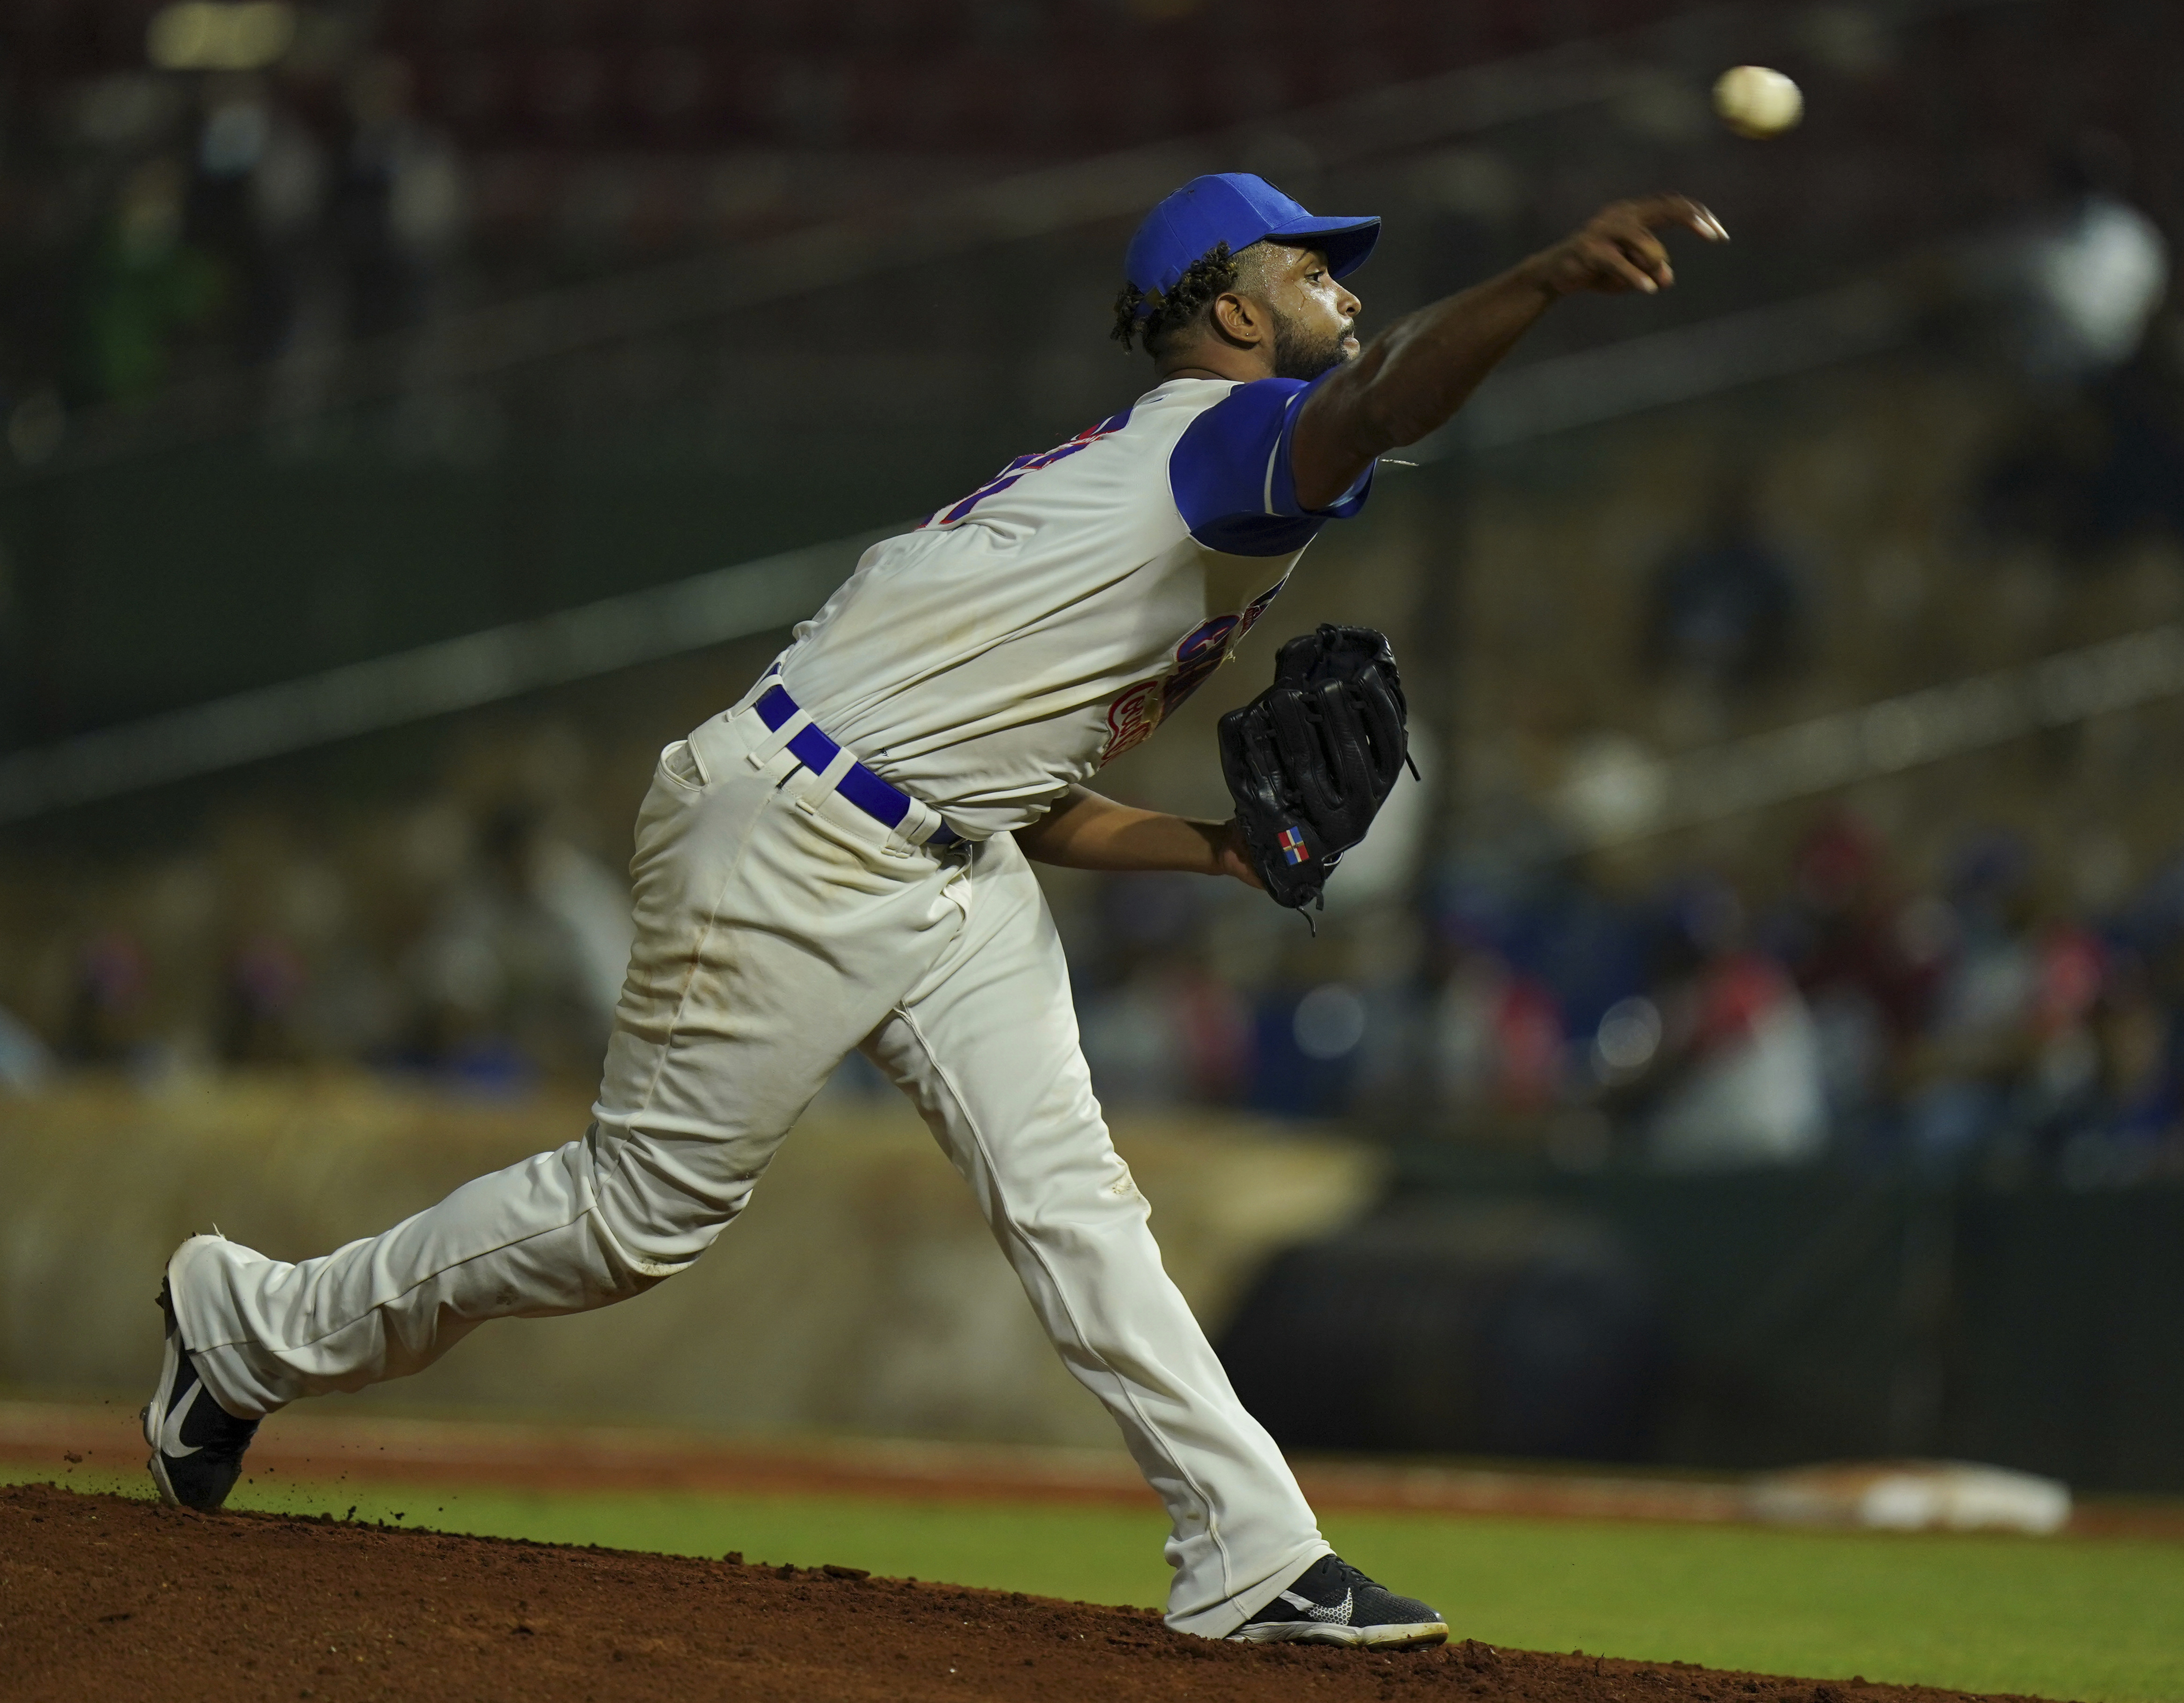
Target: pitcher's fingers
1679, 209
1621, 226
1702, 220
1645, 251
1606, 257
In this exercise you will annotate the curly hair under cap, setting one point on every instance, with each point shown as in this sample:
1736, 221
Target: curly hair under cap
1156, 315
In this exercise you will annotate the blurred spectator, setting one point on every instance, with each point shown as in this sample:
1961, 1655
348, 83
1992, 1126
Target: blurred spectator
1498, 1038
523, 962
591, 904
252, 182
111, 985
2097, 467
1166, 1034
2078, 281
2076, 288
1981, 1041
398, 201
143, 287
1156, 1026
25, 1064
1727, 611
266, 983
1866, 960
2132, 1131
1736, 1080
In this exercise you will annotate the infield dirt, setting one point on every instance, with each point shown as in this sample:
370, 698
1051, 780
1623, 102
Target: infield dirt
103, 1597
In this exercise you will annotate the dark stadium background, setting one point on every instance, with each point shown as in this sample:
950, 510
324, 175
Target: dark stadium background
1766, 1022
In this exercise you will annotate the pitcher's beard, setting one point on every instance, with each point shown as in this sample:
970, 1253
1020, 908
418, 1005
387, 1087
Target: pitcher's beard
1299, 355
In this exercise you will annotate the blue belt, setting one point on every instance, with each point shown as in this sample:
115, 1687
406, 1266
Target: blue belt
878, 798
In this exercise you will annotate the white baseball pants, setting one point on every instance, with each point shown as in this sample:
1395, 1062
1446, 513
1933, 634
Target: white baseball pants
777, 928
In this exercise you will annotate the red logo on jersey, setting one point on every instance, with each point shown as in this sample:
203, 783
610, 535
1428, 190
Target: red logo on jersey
1132, 717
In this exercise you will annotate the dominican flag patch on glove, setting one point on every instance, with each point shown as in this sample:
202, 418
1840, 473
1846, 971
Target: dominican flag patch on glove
1292, 845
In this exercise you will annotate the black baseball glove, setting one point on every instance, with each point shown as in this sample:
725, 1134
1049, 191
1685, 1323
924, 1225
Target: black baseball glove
1312, 759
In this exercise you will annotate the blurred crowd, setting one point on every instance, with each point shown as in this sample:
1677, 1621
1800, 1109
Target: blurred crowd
1960, 1025
1854, 1017
185, 225
1848, 1013
475, 936
188, 187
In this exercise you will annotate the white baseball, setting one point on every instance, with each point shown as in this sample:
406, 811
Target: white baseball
1758, 102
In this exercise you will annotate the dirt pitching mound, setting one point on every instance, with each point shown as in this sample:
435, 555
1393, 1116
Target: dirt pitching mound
102, 1597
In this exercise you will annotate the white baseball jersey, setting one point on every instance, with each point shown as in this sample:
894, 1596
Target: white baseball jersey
1046, 623
1006, 649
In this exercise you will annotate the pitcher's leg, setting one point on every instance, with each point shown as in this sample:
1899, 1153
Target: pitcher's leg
987, 1050
766, 948
592, 1223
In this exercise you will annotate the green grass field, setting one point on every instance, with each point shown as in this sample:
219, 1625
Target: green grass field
2058, 1618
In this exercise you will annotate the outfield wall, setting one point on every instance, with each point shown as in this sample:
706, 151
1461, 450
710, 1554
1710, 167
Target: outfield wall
1730, 1322
859, 1293
1810, 1316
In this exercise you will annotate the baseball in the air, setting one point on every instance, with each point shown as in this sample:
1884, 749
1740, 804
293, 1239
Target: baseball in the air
1758, 102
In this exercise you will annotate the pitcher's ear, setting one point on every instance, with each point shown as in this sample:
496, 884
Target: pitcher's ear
1239, 319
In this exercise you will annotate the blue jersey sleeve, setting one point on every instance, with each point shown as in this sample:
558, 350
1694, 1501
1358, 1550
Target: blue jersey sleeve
1231, 476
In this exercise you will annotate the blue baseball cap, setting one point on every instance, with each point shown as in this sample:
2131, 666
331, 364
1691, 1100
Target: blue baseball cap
1239, 209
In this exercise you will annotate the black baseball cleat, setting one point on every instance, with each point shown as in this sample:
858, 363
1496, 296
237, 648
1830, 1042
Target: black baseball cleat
1331, 1602
197, 1444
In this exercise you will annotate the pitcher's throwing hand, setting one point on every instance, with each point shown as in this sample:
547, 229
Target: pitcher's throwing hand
1616, 250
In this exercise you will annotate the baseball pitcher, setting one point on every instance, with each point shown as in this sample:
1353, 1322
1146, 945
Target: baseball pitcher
843, 859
